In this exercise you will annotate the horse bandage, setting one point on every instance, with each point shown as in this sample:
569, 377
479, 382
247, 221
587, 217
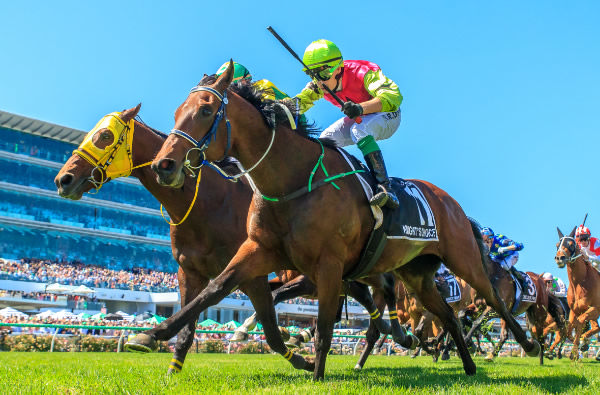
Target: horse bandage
393, 315
175, 364
288, 355
375, 314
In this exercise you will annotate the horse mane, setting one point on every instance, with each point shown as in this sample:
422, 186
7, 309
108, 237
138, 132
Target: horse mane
272, 114
158, 132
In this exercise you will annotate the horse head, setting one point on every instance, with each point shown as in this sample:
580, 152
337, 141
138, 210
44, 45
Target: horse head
104, 154
567, 249
198, 134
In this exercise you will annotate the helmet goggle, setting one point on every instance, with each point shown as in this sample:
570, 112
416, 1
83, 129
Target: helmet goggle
323, 73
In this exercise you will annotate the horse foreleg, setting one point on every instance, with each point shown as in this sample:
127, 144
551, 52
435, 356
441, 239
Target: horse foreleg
503, 337
189, 287
371, 338
360, 292
329, 281
427, 292
398, 333
593, 330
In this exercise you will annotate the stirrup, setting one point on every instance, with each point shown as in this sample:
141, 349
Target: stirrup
384, 198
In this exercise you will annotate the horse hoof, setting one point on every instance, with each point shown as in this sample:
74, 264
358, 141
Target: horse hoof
535, 351
445, 356
489, 357
357, 367
293, 342
584, 347
239, 336
285, 334
171, 372
414, 342
309, 364
141, 343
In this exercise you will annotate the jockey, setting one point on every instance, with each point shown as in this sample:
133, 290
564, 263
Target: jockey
588, 245
555, 285
366, 93
269, 91
503, 250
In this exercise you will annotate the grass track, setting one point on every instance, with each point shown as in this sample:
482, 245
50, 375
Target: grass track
68, 373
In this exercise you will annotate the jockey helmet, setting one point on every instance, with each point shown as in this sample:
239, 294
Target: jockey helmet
239, 72
487, 232
582, 231
547, 277
322, 57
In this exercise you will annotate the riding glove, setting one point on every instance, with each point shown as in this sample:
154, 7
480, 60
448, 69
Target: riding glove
352, 110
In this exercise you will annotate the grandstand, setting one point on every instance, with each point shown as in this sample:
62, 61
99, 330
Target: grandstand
119, 229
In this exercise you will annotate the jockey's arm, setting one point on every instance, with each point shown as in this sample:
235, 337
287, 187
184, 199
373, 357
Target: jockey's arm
385, 94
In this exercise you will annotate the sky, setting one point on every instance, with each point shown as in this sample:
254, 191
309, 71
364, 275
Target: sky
501, 98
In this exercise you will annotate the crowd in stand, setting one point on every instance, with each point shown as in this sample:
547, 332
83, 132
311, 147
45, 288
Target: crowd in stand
77, 273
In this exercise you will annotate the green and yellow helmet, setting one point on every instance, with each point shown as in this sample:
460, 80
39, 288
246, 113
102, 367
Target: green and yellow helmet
324, 57
239, 72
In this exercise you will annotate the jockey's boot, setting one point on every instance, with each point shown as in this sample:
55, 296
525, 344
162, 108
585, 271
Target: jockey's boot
517, 274
384, 195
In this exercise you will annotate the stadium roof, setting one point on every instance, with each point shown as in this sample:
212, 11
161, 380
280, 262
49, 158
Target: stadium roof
40, 128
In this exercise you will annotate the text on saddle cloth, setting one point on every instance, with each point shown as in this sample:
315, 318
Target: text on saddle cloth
449, 289
524, 292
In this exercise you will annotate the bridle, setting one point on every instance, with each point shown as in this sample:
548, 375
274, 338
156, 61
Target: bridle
211, 136
572, 250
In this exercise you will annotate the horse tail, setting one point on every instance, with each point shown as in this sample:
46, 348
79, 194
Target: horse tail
476, 228
556, 310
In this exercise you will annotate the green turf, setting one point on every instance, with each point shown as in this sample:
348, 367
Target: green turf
68, 373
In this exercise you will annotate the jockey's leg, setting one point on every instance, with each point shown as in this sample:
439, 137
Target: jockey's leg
385, 194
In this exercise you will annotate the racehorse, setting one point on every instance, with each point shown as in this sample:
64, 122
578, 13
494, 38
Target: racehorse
583, 294
536, 311
559, 329
202, 244
320, 233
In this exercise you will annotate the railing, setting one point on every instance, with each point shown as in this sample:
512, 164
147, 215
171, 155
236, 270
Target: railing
352, 345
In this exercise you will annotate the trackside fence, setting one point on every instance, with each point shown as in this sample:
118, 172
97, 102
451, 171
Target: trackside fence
342, 344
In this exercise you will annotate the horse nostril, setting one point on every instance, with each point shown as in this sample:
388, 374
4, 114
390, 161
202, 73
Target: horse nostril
65, 180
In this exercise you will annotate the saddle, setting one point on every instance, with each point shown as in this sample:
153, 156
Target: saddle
413, 220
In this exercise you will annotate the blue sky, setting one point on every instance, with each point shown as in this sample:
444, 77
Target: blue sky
500, 103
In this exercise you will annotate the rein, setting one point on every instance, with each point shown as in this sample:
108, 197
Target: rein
203, 144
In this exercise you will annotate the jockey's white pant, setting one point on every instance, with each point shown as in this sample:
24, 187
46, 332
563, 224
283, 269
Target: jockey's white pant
380, 125
509, 261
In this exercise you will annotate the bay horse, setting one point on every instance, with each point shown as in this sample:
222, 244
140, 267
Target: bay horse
320, 233
202, 244
536, 311
583, 294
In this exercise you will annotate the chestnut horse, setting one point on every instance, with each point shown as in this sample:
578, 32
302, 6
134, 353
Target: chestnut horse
204, 242
320, 233
583, 294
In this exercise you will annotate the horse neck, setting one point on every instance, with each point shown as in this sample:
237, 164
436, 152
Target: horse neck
288, 163
578, 271
145, 146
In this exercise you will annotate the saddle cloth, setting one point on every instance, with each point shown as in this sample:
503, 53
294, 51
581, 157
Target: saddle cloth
413, 220
524, 292
449, 289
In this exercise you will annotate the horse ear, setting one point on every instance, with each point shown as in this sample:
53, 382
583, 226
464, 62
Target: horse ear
225, 79
573, 231
128, 115
560, 234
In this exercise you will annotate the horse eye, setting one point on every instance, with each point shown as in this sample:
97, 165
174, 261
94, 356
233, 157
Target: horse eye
106, 135
206, 111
